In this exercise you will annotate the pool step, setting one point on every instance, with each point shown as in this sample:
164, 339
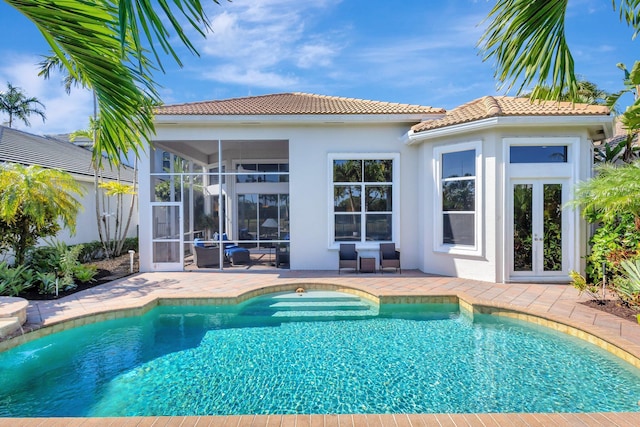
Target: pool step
313, 305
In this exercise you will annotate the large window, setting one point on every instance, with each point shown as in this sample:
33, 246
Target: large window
363, 199
457, 204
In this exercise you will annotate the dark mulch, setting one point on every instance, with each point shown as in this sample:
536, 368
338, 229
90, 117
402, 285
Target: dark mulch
108, 271
614, 307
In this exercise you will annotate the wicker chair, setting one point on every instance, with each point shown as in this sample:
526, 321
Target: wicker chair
206, 257
389, 257
348, 256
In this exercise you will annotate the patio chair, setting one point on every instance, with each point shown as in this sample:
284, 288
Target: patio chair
234, 253
204, 257
389, 257
348, 257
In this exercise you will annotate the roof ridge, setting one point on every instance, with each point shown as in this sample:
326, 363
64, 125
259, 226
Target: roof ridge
492, 106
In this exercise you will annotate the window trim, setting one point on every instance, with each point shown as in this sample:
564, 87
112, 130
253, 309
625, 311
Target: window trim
438, 213
395, 199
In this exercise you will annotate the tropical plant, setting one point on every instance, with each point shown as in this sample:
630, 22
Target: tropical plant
34, 202
19, 106
112, 239
629, 289
46, 282
114, 48
582, 285
14, 280
527, 41
630, 119
587, 93
85, 273
612, 192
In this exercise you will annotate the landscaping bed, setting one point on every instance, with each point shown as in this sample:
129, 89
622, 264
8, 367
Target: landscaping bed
108, 271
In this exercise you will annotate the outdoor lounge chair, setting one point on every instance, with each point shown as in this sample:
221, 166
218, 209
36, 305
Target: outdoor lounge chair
234, 253
348, 256
204, 257
389, 257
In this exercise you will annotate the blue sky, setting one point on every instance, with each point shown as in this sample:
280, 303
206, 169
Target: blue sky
412, 51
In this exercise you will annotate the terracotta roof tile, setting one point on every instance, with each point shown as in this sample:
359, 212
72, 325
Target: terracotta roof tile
293, 104
504, 106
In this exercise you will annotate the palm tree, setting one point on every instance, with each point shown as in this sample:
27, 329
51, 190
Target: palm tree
17, 105
113, 48
34, 201
526, 39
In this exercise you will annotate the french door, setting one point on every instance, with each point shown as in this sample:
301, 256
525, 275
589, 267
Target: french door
540, 229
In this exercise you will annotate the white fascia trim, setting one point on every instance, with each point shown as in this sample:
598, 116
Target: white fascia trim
606, 122
293, 119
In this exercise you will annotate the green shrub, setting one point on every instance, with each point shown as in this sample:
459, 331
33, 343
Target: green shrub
581, 284
85, 273
628, 286
46, 282
15, 280
613, 242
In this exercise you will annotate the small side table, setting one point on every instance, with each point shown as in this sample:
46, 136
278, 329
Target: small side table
367, 265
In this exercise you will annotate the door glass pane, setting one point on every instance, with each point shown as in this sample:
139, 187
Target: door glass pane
522, 227
552, 227
268, 217
247, 216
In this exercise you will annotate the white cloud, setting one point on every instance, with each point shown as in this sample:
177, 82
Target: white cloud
64, 113
250, 77
254, 40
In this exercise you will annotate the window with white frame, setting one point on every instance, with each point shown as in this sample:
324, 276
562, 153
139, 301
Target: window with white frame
363, 208
458, 200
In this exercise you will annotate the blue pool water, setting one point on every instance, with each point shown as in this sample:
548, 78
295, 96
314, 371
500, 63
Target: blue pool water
268, 356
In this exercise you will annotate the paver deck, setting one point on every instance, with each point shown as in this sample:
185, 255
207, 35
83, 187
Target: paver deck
553, 305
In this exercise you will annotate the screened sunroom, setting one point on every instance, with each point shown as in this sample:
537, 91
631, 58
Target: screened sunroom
232, 195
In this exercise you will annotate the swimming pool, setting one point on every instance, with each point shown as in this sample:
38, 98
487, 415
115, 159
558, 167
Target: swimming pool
257, 358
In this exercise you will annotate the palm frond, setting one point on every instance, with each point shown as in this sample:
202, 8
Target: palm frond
105, 45
526, 39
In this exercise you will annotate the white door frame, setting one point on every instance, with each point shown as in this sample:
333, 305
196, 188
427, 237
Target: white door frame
537, 272
568, 174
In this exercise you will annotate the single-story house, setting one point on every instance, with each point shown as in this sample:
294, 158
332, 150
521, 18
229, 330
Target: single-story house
27, 149
478, 192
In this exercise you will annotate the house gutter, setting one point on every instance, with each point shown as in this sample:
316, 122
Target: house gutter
605, 122
411, 118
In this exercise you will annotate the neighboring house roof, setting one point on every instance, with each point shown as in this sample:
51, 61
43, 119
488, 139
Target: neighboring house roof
294, 104
80, 141
505, 106
28, 149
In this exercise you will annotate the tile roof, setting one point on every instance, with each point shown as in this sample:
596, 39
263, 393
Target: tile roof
28, 149
505, 106
293, 104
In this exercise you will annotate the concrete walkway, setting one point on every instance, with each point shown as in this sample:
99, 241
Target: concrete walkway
556, 306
